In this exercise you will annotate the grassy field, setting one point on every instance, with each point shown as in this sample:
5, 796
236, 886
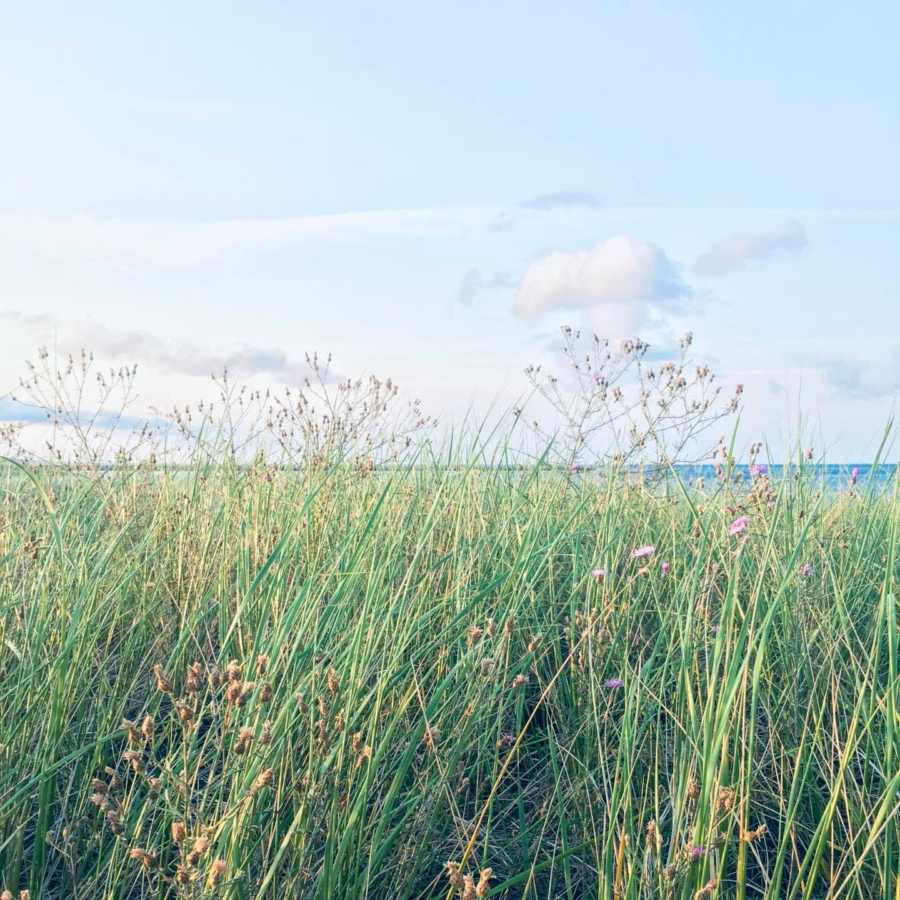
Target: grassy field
240, 683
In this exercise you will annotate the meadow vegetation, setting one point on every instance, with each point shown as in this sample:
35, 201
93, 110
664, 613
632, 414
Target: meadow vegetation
435, 678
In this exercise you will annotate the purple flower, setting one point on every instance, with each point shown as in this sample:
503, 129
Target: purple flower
599, 574
646, 550
665, 568
806, 570
614, 683
738, 525
759, 471
696, 851
854, 475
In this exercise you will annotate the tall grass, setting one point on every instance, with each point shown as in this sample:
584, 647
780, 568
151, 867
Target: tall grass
427, 671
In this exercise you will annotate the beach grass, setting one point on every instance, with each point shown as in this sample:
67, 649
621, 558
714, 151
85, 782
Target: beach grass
227, 681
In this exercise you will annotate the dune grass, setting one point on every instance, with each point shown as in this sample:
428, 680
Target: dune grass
237, 683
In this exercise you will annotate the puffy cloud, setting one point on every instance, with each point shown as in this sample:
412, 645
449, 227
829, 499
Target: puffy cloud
619, 281
736, 253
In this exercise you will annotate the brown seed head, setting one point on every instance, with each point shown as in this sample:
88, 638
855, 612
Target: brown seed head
262, 664
147, 727
454, 876
245, 738
179, 832
233, 671
264, 779
162, 683
216, 870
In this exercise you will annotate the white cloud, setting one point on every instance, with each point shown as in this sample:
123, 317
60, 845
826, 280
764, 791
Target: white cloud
736, 253
619, 281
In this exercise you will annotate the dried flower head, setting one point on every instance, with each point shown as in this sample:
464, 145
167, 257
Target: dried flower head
216, 870
162, 683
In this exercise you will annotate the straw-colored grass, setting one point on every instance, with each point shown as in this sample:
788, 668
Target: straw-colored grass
360, 679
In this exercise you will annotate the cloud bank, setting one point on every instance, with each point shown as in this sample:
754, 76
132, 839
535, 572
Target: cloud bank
736, 253
167, 358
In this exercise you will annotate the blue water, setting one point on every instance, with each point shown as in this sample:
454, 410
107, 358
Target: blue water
828, 476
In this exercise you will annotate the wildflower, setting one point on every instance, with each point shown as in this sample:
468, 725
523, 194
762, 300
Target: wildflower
519, 680
640, 552
599, 574
854, 475
806, 570
809, 453
665, 568
613, 683
695, 852
738, 525
759, 471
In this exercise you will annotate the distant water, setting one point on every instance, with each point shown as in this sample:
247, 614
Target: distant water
829, 476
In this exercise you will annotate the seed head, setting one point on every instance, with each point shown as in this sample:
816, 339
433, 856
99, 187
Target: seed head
162, 683
233, 671
245, 738
264, 779
179, 832
216, 870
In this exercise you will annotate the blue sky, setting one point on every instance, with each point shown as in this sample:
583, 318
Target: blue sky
429, 191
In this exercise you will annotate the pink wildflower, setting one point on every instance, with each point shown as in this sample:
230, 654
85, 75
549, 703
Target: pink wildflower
613, 683
806, 570
665, 568
599, 574
738, 525
646, 550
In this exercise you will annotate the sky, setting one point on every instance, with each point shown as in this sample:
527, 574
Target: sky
429, 191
